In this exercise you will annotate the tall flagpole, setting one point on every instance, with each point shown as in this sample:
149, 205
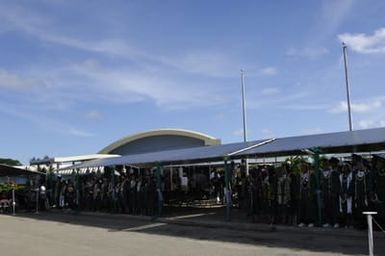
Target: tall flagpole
244, 117
243, 106
344, 50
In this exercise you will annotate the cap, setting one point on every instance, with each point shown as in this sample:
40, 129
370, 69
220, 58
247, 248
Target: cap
378, 158
334, 160
356, 159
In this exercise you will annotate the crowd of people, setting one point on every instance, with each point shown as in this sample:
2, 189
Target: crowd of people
278, 194
132, 193
335, 198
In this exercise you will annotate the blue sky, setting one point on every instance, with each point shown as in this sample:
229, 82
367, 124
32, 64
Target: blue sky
78, 75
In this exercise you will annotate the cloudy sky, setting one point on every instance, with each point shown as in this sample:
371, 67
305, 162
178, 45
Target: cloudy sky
77, 75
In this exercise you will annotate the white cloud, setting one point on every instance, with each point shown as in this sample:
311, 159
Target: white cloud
268, 71
310, 131
327, 21
364, 43
208, 63
279, 101
204, 63
270, 91
41, 120
305, 107
370, 123
333, 14
267, 133
307, 52
125, 85
93, 115
14, 81
38, 26
365, 124
238, 133
358, 107
79, 133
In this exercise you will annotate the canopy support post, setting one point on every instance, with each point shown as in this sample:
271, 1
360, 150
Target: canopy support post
13, 201
77, 189
159, 189
316, 155
227, 191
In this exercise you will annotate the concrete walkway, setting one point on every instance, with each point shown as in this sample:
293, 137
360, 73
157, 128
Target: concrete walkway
189, 234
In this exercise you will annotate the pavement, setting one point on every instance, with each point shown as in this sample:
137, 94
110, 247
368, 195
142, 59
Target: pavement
90, 233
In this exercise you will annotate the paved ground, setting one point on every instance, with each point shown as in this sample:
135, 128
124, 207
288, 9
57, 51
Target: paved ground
89, 234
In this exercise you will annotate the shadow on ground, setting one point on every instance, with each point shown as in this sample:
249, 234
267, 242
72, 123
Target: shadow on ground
206, 225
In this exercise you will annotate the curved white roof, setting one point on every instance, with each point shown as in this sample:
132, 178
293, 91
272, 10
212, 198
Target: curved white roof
208, 140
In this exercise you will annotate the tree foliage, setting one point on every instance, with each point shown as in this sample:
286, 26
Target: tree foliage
11, 162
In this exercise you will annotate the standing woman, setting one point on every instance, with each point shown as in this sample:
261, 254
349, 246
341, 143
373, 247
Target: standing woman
346, 196
307, 201
361, 181
294, 195
378, 197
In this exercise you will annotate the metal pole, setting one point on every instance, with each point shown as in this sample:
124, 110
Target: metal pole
227, 191
318, 183
243, 106
37, 199
113, 183
159, 188
244, 116
13, 202
77, 189
370, 235
370, 231
345, 53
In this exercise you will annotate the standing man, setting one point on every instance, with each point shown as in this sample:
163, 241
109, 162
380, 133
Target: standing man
331, 190
307, 200
379, 186
283, 194
361, 181
346, 196
294, 195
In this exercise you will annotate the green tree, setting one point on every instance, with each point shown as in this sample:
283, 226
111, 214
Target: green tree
11, 162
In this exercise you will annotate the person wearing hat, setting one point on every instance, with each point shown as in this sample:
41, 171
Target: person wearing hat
346, 195
273, 202
294, 177
125, 194
307, 200
57, 190
283, 194
330, 184
379, 186
362, 187
131, 194
265, 195
254, 189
